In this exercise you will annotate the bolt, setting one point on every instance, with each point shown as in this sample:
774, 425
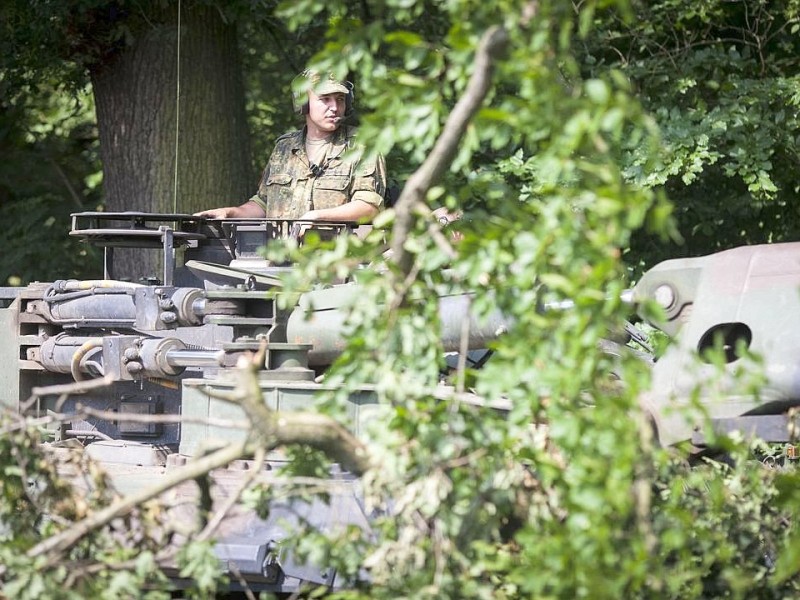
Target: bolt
665, 296
134, 368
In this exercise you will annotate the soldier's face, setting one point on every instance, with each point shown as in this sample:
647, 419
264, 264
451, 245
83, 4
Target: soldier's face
326, 111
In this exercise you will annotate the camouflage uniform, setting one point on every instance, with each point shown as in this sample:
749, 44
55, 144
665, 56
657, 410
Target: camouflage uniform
289, 188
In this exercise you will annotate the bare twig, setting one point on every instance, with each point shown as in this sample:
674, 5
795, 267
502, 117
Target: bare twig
81, 412
220, 514
77, 572
25, 423
232, 396
242, 581
463, 349
435, 231
108, 415
73, 194
78, 387
64, 540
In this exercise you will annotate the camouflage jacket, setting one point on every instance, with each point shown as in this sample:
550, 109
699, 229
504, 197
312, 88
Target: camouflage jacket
289, 186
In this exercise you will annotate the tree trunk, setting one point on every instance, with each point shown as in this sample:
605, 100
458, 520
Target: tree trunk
135, 96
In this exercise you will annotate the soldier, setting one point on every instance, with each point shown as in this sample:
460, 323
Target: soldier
317, 173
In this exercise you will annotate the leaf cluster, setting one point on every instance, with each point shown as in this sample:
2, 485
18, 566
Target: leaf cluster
564, 494
51, 168
720, 78
45, 489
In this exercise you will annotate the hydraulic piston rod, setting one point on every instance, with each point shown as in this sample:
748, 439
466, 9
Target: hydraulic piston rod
196, 358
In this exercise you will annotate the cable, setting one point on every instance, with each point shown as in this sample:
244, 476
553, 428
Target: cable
80, 353
177, 111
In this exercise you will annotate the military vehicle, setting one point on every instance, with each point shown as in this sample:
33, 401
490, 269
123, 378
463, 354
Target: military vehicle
719, 300
168, 348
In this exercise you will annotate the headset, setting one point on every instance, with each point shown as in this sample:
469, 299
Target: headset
301, 108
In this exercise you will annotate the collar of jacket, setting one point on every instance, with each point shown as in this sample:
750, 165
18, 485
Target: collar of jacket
340, 140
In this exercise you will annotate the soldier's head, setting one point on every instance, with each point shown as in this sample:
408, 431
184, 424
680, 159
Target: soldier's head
324, 100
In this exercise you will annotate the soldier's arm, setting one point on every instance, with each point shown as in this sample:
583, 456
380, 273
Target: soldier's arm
249, 209
355, 210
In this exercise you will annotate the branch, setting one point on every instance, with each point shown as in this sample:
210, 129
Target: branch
269, 430
227, 506
66, 389
273, 429
492, 44
76, 199
325, 434
108, 415
69, 537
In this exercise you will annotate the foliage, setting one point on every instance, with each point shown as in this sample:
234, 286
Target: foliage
483, 504
722, 525
272, 57
720, 78
50, 169
565, 493
48, 136
38, 501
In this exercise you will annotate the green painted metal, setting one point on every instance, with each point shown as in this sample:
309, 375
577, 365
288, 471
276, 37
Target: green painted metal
199, 403
9, 359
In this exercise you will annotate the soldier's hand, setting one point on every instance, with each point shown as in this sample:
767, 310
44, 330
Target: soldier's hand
298, 230
225, 212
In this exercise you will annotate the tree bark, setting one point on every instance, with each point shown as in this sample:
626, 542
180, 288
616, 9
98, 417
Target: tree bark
138, 121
